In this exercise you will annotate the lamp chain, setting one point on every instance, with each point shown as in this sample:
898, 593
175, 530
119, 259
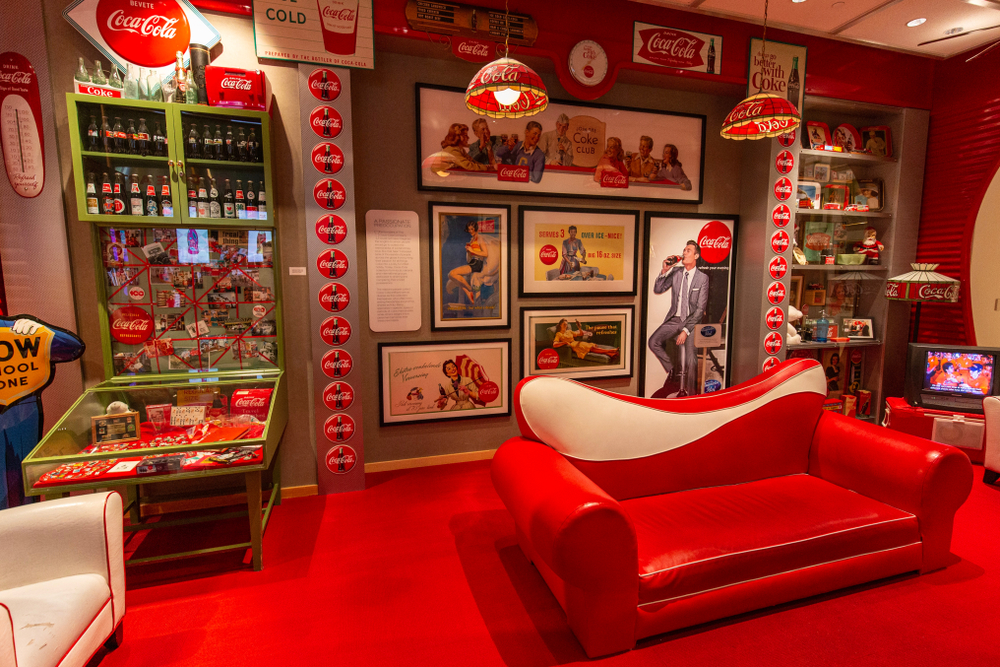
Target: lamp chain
506, 21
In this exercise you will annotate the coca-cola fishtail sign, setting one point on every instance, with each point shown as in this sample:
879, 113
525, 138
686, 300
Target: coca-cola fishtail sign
673, 47
326, 32
145, 33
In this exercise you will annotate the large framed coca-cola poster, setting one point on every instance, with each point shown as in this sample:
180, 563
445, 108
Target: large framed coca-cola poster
422, 382
572, 149
577, 252
327, 32
680, 49
689, 285
470, 266
778, 69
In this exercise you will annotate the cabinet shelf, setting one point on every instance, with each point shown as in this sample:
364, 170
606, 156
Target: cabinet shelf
202, 162
842, 214
837, 267
847, 157
823, 346
124, 157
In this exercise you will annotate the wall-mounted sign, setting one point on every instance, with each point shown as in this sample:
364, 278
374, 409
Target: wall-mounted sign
146, 33
588, 63
780, 69
330, 32
452, 18
21, 125
672, 47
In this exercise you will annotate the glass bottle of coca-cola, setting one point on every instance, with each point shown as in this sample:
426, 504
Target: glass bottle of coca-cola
337, 372
192, 142
180, 78
149, 201
261, 202
217, 143
241, 145
92, 206
159, 140
82, 75
214, 205
131, 138
142, 138
230, 148
166, 205
253, 148
228, 202
203, 209
192, 196
324, 93
329, 195
241, 207
93, 134
119, 135
326, 122
338, 401
116, 80
711, 57
794, 87
107, 195
327, 161
251, 202
135, 196
107, 136
207, 142
99, 78
119, 193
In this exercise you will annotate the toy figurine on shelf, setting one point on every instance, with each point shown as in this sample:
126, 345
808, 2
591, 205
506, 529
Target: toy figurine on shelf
870, 246
793, 337
116, 408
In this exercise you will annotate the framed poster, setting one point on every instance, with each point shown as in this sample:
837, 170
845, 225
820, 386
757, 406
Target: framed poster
421, 382
780, 69
470, 266
572, 149
578, 252
329, 32
581, 342
688, 284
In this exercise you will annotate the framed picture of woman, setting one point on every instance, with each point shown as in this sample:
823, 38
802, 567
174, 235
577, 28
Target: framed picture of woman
470, 266
582, 343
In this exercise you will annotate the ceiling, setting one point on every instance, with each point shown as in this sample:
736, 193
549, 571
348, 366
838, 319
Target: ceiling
879, 23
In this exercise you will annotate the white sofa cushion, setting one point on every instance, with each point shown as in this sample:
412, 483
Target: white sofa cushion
50, 616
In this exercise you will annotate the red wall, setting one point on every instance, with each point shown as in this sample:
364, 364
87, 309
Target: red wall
963, 152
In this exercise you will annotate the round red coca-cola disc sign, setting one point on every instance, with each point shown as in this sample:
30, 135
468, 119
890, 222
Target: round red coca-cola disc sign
147, 33
341, 459
131, 325
326, 122
324, 84
339, 428
548, 254
331, 229
715, 240
327, 158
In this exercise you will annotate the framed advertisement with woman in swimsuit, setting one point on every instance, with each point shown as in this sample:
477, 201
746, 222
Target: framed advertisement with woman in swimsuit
578, 342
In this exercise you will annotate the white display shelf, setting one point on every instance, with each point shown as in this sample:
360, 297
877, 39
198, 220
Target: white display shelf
846, 157
833, 344
842, 214
837, 267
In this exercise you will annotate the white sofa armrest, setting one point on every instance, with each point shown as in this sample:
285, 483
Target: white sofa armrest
60, 538
7, 657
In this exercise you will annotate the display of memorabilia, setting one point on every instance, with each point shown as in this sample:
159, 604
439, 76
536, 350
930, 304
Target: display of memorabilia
858, 328
877, 140
835, 369
817, 134
871, 193
570, 149
470, 266
846, 136
836, 196
577, 342
422, 382
821, 172
809, 194
688, 292
577, 252
843, 175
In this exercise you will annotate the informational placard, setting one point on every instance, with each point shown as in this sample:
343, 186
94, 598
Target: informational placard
21, 125
778, 69
326, 32
334, 312
393, 245
673, 47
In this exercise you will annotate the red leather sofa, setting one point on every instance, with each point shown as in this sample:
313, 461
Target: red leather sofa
648, 515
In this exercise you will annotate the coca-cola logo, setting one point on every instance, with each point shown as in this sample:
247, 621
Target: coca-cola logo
548, 255
335, 331
235, 83
342, 14
780, 241
781, 215
337, 363
339, 428
614, 179
514, 173
547, 359
331, 229
332, 263
473, 50
329, 194
671, 48
744, 111
324, 84
894, 290
715, 240
775, 318
334, 297
341, 459
776, 293
326, 122
147, 32
945, 292
492, 74
770, 363
783, 189
86, 89
786, 139
259, 311
136, 293
773, 342
131, 325
245, 402
327, 158
489, 391
784, 162
777, 267
338, 396
18, 78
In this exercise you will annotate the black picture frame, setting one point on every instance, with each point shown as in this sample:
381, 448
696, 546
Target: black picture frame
644, 321
522, 253
628, 339
421, 152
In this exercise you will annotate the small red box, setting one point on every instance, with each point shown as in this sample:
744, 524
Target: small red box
253, 402
234, 87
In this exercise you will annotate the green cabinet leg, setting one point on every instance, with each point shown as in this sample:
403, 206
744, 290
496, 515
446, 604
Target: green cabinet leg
256, 526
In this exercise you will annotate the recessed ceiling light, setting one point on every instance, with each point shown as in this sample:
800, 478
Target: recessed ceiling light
915, 22
798, 1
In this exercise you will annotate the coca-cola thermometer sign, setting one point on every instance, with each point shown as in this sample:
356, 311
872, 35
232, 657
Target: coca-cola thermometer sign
673, 47
21, 125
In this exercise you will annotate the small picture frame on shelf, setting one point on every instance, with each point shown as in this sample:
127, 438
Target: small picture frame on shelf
808, 172
871, 192
821, 172
817, 134
845, 175
114, 429
809, 194
859, 328
846, 136
835, 196
877, 140
814, 297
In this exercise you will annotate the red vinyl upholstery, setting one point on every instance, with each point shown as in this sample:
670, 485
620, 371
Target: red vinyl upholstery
648, 515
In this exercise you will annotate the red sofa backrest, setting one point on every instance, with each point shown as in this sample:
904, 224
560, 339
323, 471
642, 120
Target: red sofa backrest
633, 447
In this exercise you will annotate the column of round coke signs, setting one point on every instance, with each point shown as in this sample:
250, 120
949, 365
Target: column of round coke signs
780, 242
330, 214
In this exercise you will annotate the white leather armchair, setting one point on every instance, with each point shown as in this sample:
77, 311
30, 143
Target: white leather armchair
62, 580
991, 410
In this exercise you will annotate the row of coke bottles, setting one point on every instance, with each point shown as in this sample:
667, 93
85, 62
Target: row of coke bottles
134, 196
132, 140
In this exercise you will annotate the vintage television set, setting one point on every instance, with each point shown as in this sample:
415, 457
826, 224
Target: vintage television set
951, 377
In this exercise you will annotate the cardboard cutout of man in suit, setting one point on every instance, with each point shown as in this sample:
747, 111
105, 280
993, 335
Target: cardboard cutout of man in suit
688, 299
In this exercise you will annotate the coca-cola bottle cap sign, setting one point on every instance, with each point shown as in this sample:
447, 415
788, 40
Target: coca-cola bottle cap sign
780, 241
341, 459
326, 122
775, 318
337, 363
331, 229
131, 325
335, 331
338, 396
332, 263
324, 84
781, 215
776, 293
715, 240
777, 267
330, 194
334, 297
783, 189
147, 33
339, 428
547, 360
327, 158
784, 162
786, 139
773, 342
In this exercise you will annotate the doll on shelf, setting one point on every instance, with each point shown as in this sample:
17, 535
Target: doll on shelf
870, 246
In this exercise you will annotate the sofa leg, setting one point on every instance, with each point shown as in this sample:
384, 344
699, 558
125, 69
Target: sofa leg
117, 637
990, 477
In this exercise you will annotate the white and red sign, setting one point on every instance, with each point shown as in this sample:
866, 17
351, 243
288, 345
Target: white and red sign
21, 125
785, 162
780, 241
512, 172
337, 363
341, 459
339, 428
781, 215
472, 49
330, 194
336, 33
131, 325
332, 263
253, 402
327, 158
775, 318
777, 267
99, 91
770, 363
334, 297
907, 291
773, 342
783, 189
787, 139
324, 84
613, 179
335, 331
673, 47
338, 396
548, 359
548, 255
235, 87
326, 121
489, 391
715, 240
776, 293
136, 293
331, 229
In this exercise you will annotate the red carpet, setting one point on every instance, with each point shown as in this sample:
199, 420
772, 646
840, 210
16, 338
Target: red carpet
423, 569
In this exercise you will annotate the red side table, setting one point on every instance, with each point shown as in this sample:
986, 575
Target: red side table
901, 416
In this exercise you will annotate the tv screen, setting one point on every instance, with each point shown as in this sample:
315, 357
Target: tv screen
959, 372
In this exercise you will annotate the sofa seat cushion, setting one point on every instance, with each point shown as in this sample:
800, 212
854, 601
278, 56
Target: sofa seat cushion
694, 541
50, 616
